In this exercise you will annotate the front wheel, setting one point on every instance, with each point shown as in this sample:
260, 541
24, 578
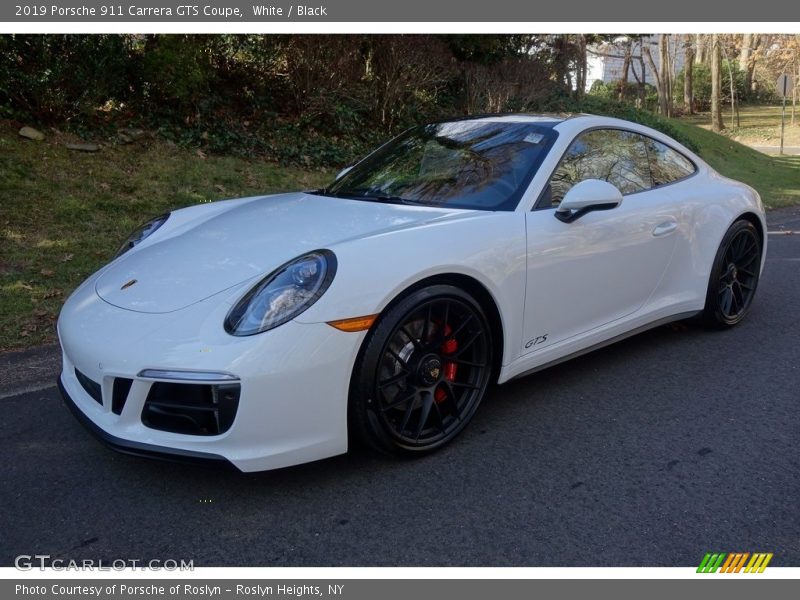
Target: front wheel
734, 276
424, 370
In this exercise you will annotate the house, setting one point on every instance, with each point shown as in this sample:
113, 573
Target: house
607, 59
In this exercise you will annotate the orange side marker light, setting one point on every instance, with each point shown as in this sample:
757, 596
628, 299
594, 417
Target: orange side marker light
354, 324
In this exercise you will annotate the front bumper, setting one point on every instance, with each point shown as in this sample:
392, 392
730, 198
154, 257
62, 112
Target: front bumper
294, 381
134, 448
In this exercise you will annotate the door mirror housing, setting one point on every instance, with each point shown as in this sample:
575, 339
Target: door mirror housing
586, 196
343, 172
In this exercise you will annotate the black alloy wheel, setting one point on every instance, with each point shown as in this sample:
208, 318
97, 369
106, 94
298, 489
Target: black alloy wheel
424, 370
734, 276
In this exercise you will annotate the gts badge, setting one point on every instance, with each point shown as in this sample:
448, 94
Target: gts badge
537, 340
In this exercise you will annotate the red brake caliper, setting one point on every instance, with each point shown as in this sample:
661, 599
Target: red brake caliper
450, 368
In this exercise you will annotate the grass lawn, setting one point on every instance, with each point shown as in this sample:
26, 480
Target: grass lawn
776, 178
64, 213
758, 125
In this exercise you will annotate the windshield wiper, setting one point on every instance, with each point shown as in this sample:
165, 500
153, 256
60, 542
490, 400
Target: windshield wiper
388, 199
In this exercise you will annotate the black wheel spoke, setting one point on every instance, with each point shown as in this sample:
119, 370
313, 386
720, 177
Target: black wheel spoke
441, 339
395, 379
400, 399
403, 364
737, 297
453, 334
468, 386
407, 415
748, 264
726, 301
744, 251
451, 396
427, 403
466, 363
411, 338
439, 417
426, 327
466, 345
746, 286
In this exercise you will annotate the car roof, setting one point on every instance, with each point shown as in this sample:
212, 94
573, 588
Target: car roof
571, 124
560, 121
545, 119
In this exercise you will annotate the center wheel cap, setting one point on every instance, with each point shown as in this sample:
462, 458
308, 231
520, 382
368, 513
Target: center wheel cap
430, 370
733, 272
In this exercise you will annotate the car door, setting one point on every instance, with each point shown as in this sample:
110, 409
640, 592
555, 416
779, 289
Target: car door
604, 265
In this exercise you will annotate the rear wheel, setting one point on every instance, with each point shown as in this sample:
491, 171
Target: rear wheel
423, 372
734, 276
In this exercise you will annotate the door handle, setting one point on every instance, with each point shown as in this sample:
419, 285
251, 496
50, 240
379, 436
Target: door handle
665, 228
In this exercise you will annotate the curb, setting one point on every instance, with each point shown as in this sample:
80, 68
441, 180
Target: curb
29, 370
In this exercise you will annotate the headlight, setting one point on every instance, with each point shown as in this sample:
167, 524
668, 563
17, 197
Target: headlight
283, 294
141, 233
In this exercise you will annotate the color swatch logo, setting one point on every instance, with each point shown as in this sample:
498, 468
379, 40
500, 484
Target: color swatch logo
735, 562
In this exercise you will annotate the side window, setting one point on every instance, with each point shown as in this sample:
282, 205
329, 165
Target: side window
666, 164
613, 155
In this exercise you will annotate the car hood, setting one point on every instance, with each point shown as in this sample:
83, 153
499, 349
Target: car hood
187, 262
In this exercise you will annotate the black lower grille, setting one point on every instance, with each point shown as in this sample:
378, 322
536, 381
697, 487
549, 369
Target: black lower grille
120, 394
92, 387
191, 408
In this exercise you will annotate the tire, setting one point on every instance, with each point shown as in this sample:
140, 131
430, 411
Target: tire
422, 372
734, 276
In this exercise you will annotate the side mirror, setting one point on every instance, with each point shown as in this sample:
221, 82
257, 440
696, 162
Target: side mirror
586, 196
343, 172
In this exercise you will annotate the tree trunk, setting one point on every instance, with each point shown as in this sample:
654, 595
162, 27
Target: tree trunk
700, 44
745, 58
665, 58
660, 75
643, 84
734, 112
688, 68
794, 104
744, 54
640, 78
716, 85
626, 67
583, 67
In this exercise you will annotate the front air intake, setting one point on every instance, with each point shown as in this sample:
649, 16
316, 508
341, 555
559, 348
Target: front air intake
92, 387
120, 394
191, 408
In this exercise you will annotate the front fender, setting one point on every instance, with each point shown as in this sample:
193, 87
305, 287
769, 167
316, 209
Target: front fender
488, 247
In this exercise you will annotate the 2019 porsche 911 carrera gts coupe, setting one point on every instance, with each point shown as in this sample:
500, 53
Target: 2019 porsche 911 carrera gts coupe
268, 331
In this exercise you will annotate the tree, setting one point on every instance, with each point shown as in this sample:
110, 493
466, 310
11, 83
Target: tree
662, 73
641, 82
716, 85
701, 55
748, 55
582, 67
688, 64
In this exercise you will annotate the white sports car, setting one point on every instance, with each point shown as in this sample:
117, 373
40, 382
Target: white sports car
268, 331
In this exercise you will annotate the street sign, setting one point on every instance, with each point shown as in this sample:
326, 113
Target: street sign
784, 85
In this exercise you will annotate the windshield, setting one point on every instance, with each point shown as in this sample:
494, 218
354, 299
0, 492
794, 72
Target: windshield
463, 164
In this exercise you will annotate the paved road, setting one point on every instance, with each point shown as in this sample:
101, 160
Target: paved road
650, 452
789, 150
